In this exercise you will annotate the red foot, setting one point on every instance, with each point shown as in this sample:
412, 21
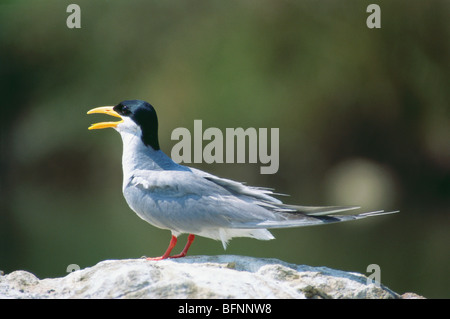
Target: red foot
156, 258
172, 244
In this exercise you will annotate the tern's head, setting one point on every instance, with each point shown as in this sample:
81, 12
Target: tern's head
137, 117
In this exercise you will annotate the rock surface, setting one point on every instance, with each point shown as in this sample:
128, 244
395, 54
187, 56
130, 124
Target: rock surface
197, 277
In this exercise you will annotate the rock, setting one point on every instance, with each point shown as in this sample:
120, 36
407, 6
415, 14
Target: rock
196, 277
411, 295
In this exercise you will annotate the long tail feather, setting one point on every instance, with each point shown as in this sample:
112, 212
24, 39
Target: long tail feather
300, 220
320, 211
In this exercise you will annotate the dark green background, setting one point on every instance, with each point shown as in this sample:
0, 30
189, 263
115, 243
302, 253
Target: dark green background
363, 117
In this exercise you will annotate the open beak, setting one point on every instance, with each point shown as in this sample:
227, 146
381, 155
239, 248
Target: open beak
106, 110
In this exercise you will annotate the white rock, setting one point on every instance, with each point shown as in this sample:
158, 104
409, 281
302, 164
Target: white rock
197, 277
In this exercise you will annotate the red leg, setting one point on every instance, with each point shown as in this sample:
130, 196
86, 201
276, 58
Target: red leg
166, 255
183, 253
172, 244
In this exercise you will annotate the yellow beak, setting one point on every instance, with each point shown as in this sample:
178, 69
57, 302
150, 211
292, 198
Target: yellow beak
105, 110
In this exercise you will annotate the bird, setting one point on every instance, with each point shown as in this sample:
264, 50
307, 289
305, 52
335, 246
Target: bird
186, 200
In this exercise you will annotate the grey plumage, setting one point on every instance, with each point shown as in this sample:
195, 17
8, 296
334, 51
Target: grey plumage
187, 200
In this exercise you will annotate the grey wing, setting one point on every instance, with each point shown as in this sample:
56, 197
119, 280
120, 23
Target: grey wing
189, 201
285, 215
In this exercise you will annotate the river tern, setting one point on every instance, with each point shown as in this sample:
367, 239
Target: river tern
189, 201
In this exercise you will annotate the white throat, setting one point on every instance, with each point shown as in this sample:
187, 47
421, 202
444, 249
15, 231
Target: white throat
136, 155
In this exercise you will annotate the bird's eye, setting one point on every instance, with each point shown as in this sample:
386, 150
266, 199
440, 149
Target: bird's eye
125, 110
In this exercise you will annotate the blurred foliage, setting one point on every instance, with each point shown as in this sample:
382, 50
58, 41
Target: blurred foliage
363, 114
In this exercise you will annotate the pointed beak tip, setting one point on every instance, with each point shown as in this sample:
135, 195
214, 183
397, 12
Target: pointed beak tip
109, 110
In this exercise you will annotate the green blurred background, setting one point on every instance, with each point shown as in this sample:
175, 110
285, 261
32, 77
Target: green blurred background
363, 117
